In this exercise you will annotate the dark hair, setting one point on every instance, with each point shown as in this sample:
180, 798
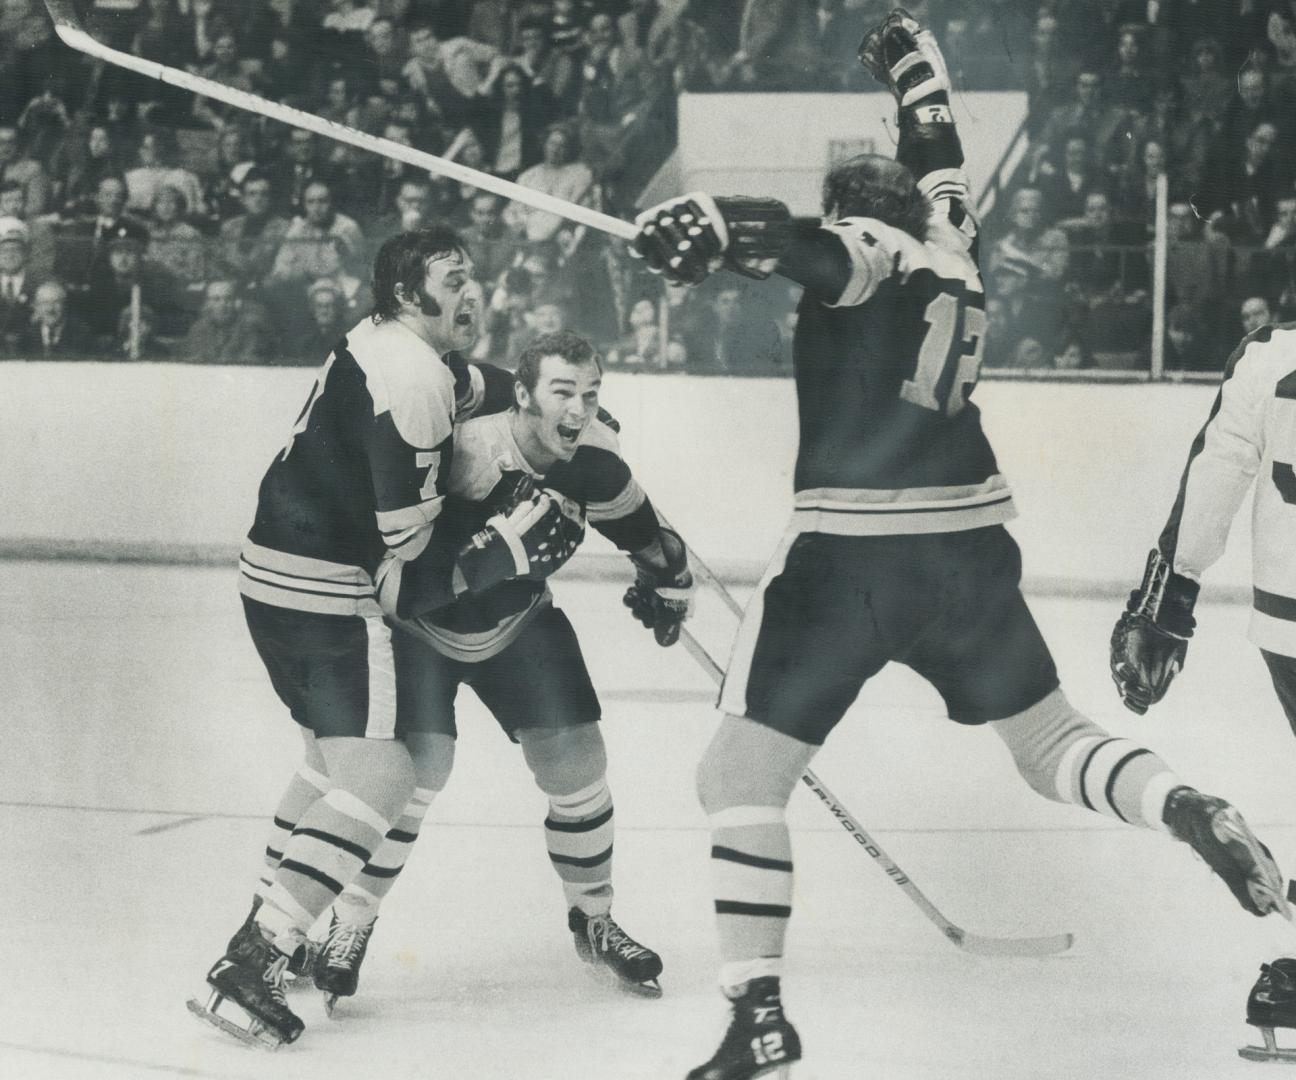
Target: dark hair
869, 185
256, 174
563, 343
402, 262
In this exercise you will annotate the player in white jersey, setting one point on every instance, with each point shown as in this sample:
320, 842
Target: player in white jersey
896, 550
1249, 440
519, 653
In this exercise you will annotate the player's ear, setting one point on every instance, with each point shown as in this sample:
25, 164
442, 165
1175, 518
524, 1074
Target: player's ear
521, 396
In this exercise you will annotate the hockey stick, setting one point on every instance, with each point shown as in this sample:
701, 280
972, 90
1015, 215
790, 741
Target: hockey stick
67, 24
969, 942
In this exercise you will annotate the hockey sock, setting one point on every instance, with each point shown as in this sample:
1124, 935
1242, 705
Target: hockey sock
304, 789
1068, 758
360, 899
751, 870
578, 834
325, 851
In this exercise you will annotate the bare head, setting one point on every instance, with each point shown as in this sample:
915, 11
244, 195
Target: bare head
870, 185
424, 278
556, 396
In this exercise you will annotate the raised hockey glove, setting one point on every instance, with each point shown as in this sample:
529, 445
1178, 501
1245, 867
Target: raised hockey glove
532, 539
662, 595
905, 58
1150, 640
686, 238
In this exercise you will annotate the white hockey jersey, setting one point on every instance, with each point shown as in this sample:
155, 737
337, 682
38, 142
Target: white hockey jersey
1250, 436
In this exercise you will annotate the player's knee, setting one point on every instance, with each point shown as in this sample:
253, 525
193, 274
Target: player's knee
432, 753
1040, 737
379, 772
564, 759
748, 764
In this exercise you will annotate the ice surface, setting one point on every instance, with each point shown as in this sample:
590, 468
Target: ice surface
144, 751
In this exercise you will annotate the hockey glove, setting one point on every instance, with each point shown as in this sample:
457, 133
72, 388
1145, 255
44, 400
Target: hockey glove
687, 238
905, 58
1150, 639
662, 595
531, 539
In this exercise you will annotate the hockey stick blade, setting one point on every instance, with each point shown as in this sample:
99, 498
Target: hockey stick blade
978, 944
67, 24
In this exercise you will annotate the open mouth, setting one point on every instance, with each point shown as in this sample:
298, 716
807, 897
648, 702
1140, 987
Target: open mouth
568, 434
464, 318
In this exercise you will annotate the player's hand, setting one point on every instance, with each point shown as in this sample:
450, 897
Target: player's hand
532, 539
662, 594
1150, 639
683, 239
905, 58
567, 535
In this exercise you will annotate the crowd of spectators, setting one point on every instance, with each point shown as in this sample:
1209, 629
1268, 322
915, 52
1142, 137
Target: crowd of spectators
1121, 93
139, 220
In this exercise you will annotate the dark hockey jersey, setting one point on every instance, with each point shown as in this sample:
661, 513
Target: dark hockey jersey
487, 461
363, 473
885, 365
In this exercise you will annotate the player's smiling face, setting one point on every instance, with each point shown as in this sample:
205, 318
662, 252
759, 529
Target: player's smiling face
450, 291
552, 420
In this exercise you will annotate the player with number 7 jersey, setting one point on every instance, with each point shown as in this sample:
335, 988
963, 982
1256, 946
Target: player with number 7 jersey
896, 550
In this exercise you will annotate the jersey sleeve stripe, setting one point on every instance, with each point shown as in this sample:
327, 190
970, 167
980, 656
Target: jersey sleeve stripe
394, 522
626, 503
1274, 605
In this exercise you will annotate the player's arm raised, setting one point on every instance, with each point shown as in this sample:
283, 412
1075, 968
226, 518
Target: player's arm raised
1150, 639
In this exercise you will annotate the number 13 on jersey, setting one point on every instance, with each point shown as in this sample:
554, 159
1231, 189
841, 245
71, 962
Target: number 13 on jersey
942, 346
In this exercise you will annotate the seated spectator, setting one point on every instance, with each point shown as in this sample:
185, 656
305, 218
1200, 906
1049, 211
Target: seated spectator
1207, 90
560, 174
82, 243
548, 318
1086, 115
318, 242
174, 244
13, 200
385, 56
229, 68
510, 121
228, 330
1198, 267
87, 162
18, 166
1136, 194
1250, 104
1028, 240
301, 164
1021, 305
54, 332
410, 209
330, 319
17, 283
111, 292
1187, 345
155, 168
137, 337
1254, 314
1130, 86
1072, 356
737, 339
223, 184
507, 328
615, 92
448, 75
550, 70
1243, 191
250, 241
641, 346
1065, 184
488, 241
1110, 277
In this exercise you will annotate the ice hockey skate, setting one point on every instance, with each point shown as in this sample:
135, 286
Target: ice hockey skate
1217, 832
302, 962
1272, 1004
759, 1042
247, 996
337, 965
614, 955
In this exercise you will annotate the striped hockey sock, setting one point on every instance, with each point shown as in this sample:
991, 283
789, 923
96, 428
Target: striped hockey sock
1116, 777
578, 834
303, 791
327, 849
751, 869
360, 899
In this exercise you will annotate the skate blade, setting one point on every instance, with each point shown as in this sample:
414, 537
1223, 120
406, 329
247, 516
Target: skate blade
649, 988
330, 1003
254, 1034
1271, 1051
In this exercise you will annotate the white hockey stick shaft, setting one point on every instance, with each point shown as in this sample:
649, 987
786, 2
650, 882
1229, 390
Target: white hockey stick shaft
976, 943
68, 27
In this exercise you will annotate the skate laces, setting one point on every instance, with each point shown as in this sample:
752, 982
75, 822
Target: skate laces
274, 979
345, 943
606, 936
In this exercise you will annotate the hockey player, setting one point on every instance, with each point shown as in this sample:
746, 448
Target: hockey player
520, 654
362, 475
896, 549
1250, 433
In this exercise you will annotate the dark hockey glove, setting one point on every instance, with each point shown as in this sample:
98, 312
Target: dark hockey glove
687, 238
662, 595
1150, 640
905, 58
530, 540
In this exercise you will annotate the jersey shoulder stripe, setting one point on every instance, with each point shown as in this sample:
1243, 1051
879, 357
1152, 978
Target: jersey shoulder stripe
407, 379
